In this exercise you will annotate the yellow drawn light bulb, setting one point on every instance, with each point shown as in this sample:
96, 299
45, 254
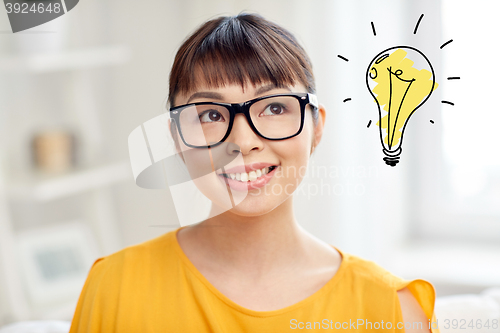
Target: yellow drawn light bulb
399, 89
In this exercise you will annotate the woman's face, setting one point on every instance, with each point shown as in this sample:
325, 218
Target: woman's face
281, 163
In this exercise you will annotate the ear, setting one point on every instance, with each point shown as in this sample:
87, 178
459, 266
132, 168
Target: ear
318, 130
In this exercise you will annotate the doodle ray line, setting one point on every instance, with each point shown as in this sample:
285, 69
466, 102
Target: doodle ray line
448, 42
418, 22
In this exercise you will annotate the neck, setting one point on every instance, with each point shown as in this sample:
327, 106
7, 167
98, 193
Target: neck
253, 245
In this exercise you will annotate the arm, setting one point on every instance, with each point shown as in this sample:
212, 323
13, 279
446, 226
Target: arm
412, 312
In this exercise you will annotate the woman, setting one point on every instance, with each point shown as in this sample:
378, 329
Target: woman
245, 83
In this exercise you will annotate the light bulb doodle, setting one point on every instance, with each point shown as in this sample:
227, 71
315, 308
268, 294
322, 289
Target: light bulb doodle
399, 89
400, 79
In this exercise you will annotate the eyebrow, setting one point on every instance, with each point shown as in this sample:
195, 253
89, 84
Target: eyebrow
217, 96
269, 87
205, 94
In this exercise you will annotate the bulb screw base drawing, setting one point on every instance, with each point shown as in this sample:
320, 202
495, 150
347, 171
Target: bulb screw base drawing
392, 157
392, 161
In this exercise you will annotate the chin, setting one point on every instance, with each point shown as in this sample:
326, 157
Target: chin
257, 206
249, 212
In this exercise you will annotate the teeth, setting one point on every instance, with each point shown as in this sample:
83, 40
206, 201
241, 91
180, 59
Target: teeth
244, 177
251, 176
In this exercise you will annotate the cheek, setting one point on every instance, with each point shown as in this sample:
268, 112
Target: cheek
199, 165
303, 142
294, 155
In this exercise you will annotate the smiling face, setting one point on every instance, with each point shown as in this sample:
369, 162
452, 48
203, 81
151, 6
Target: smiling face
234, 59
262, 174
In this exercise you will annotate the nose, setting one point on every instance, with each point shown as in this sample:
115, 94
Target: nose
243, 135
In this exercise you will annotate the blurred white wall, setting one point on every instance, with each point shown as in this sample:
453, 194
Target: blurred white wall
369, 208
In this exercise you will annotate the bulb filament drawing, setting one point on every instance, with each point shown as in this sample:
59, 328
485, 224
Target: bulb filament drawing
400, 79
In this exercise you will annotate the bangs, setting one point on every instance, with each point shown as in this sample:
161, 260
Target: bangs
239, 50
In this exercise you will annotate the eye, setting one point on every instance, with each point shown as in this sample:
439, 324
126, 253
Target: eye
274, 110
210, 116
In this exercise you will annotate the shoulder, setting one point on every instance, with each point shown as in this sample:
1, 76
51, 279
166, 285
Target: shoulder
367, 272
132, 261
412, 311
153, 246
121, 282
415, 297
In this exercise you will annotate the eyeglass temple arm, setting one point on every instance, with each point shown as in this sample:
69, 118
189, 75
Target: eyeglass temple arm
313, 100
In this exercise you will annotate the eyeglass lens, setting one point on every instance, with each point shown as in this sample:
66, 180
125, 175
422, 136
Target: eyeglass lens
275, 118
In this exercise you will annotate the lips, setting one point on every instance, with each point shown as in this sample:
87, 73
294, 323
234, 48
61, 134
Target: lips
255, 175
249, 176
246, 168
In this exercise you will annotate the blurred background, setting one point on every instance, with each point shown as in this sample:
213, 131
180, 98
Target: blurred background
73, 89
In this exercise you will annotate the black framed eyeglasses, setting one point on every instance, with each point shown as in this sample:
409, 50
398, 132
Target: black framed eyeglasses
273, 117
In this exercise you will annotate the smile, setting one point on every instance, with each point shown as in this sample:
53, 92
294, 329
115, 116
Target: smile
249, 176
253, 178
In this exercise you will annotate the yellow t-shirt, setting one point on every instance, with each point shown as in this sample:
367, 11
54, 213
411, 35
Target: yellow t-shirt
153, 287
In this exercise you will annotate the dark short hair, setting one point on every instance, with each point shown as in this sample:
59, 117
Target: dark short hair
240, 49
